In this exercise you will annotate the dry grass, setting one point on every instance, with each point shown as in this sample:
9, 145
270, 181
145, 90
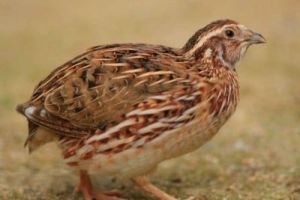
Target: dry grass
255, 156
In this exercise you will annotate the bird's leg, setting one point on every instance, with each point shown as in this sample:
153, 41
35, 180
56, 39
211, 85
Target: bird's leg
145, 184
85, 186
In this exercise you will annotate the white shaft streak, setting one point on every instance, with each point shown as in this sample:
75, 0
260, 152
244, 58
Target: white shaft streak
113, 129
150, 111
185, 116
115, 143
85, 149
131, 71
159, 97
152, 127
155, 73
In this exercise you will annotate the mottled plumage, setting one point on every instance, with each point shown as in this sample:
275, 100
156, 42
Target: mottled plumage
121, 109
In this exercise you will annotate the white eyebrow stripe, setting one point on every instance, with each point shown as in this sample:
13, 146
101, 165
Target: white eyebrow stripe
241, 26
201, 41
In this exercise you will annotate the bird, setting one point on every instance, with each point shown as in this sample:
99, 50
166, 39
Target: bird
121, 109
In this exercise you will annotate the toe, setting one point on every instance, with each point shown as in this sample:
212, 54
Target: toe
107, 196
116, 193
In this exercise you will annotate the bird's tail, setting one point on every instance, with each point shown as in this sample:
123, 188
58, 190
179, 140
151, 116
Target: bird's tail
20, 108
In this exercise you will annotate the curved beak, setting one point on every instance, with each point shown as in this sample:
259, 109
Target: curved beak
257, 38
252, 37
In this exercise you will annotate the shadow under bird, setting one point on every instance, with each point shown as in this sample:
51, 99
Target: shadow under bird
121, 109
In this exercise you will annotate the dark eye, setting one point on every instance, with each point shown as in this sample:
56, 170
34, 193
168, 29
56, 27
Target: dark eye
229, 33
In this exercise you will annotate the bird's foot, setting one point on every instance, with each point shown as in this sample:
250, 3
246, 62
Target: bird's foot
111, 195
145, 184
191, 198
85, 187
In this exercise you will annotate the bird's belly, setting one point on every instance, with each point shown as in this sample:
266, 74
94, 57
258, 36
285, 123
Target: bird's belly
138, 161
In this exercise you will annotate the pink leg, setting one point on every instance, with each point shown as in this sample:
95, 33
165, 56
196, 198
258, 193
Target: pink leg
86, 188
145, 184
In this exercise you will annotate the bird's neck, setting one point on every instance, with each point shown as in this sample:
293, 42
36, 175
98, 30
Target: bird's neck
216, 54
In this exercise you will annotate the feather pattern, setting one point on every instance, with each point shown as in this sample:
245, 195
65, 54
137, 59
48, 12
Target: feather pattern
123, 108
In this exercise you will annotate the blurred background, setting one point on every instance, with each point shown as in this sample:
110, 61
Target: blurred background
256, 155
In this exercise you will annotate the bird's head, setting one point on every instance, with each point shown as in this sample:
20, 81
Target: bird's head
225, 40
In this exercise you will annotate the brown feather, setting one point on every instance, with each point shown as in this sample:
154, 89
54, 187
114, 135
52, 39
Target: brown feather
115, 105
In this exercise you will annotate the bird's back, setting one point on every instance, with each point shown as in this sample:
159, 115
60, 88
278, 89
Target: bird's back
96, 89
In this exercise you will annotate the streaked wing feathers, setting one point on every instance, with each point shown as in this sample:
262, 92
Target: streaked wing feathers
105, 83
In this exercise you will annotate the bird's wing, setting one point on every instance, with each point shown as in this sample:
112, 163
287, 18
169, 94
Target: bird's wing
181, 110
100, 86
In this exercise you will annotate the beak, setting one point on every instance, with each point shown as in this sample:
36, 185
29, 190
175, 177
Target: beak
256, 38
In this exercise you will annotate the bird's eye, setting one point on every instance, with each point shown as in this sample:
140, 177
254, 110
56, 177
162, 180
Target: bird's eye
229, 33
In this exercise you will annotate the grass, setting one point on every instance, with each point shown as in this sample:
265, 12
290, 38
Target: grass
256, 155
